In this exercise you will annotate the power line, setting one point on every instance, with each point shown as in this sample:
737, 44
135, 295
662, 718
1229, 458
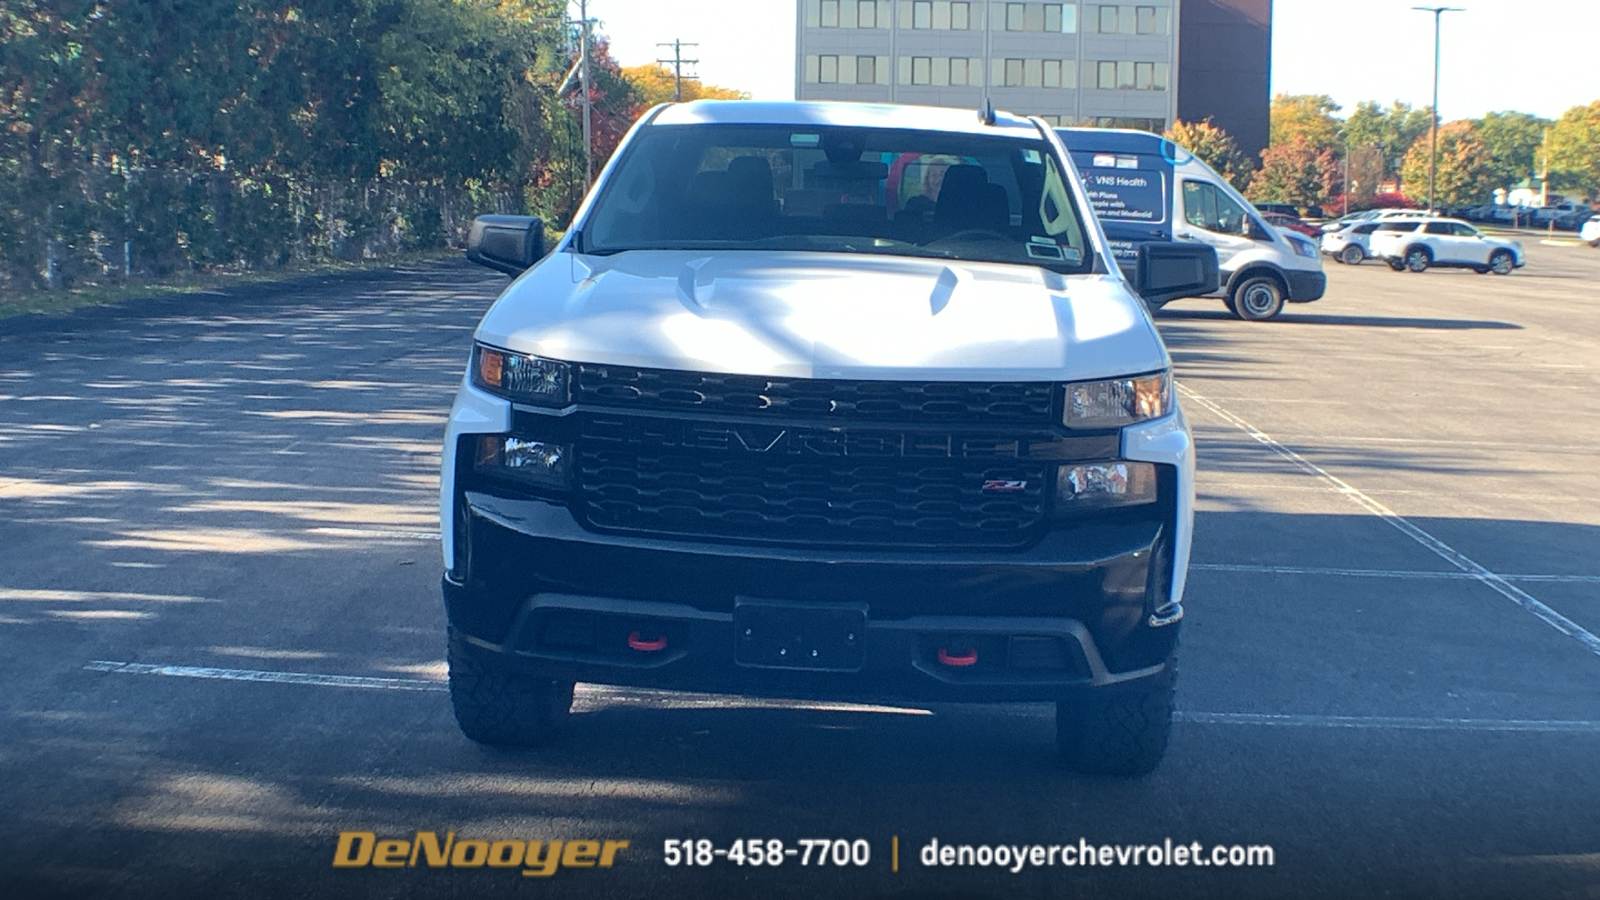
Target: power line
677, 62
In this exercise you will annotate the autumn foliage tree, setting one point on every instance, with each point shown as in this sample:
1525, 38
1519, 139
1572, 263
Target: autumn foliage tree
1465, 173
1297, 172
656, 84
1215, 147
1575, 150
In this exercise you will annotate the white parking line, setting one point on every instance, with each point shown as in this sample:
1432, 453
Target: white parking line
1439, 548
1384, 573
600, 696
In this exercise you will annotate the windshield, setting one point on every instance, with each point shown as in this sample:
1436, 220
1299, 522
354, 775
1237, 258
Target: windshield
837, 189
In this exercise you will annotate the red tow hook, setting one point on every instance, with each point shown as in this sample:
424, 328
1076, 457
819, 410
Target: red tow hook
651, 646
959, 660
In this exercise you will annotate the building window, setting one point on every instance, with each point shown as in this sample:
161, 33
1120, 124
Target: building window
941, 15
1106, 79
830, 13
959, 69
866, 70
922, 14
921, 70
829, 72
1015, 13
1108, 20
1033, 73
1052, 73
811, 69
1013, 73
1052, 17
1145, 16
960, 16
867, 14
1069, 19
941, 70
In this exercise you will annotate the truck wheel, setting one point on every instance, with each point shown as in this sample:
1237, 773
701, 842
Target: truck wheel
1501, 263
1115, 733
501, 709
1352, 255
1256, 298
1418, 259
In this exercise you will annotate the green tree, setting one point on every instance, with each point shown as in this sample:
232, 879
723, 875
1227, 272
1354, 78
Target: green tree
1512, 140
1390, 130
1296, 172
1215, 147
1465, 170
1308, 116
1575, 150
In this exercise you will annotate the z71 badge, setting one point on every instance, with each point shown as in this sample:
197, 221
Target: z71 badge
1002, 485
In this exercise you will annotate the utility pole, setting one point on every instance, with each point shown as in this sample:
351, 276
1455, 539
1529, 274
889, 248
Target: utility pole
677, 62
1433, 123
583, 80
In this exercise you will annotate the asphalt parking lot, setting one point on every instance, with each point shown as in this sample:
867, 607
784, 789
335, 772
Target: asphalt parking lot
221, 639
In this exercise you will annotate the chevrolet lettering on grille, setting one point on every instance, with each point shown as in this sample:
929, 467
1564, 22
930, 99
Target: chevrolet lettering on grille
800, 441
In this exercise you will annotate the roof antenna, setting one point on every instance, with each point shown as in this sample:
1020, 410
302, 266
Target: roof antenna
986, 112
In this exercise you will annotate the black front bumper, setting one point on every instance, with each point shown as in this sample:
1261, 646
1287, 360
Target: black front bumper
535, 591
1305, 287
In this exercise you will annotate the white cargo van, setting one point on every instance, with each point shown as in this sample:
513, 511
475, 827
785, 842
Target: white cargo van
1147, 189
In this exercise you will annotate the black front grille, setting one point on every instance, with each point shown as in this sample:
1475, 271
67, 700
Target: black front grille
817, 400
834, 501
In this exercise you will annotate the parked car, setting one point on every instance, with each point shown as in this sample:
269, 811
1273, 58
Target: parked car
1287, 209
1572, 221
1350, 245
1419, 244
1292, 223
1591, 232
685, 455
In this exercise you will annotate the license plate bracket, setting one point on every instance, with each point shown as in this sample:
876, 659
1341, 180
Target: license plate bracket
822, 637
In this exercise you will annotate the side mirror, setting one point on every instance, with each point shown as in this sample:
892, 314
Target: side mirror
509, 244
1168, 271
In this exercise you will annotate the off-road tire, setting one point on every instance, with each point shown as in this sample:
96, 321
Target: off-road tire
502, 709
1122, 733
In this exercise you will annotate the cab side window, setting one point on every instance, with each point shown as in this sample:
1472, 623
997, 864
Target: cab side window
1440, 228
1206, 206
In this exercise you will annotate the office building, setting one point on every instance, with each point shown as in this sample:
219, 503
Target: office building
1131, 65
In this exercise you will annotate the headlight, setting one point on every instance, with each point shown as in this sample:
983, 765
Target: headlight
1117, 402
1101, 484
523, 379
1302, 246
535, 462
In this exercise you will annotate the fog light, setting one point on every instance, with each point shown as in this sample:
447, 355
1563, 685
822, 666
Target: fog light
535, 462
1102, 484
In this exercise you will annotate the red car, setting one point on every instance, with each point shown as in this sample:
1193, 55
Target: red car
1293, 223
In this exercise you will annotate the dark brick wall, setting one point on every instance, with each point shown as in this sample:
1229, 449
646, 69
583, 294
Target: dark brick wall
1225, 67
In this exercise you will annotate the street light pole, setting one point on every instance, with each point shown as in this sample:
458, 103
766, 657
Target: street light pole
1433, 118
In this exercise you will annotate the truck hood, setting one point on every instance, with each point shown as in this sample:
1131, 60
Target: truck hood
824, 315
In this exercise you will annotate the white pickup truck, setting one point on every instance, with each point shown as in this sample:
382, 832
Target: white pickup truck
833, 400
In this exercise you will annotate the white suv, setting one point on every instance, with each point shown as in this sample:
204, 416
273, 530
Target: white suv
1418, 244
836, 399
1591, 232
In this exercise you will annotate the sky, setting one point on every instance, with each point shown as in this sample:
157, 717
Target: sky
1536, 56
